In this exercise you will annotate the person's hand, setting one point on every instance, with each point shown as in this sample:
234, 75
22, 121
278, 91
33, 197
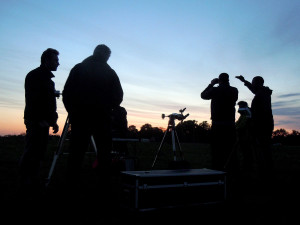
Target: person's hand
241, 78
55, 128
214, 81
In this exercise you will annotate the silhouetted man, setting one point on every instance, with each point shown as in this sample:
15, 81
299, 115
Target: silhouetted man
39, 114
262, 122
91, 91
223, 99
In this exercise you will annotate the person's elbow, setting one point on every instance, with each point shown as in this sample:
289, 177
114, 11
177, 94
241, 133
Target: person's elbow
204, 96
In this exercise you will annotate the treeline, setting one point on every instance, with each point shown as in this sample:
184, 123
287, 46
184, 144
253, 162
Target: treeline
281, 136
187, 131
192, 131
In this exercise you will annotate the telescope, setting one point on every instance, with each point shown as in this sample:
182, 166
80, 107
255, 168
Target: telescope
172, 130
178, 116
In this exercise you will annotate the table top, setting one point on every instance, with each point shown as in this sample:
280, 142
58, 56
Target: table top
169, 173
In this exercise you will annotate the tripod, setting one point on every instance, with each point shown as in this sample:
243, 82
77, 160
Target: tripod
172, 129
59, 150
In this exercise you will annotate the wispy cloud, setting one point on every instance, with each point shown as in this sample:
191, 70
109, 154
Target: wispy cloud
287, 101
279, 104
287, 111
289, 95
288, 122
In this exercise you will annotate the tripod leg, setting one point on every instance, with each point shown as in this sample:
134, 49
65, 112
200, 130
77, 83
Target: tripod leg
181, 153
59, 150
63, 136
159, 148
174, 144
95, 163
94, 144
231, 154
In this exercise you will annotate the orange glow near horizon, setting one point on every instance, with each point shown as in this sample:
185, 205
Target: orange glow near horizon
12, 122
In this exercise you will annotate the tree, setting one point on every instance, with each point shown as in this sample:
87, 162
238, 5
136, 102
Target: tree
295, 133
293, 138
283, 137
205, 125
186, 130
132, 132
147, 131
280, 133
191, 131
132, 128
204, 132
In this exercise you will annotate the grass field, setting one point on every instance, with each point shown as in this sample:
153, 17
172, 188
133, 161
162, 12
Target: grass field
250, 208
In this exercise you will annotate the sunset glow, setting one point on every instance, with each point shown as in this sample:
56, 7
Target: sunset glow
164, 52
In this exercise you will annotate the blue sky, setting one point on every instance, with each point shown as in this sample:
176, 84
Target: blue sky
165, 52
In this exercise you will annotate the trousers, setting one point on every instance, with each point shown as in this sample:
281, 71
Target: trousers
36, 141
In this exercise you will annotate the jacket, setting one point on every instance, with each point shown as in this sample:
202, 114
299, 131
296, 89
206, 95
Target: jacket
223, 99
92, 86
261, 107
40, 101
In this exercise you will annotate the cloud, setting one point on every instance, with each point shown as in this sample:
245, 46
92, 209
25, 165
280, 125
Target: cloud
289, 95
288, 122
292, 100
287, 111
279, 104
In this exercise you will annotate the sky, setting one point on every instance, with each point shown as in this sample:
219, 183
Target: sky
165, 52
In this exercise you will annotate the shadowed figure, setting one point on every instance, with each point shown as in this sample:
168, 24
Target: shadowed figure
262, 124
223, 99
223, 134
91, 92
39, 115
245, 139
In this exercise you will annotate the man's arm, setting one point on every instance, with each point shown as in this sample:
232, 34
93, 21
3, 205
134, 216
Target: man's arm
208, 91
33, 96
246, 83
117, 92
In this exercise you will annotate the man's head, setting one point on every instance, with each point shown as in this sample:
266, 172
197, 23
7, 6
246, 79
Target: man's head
49, 59
102, 52
223, 78
257, 82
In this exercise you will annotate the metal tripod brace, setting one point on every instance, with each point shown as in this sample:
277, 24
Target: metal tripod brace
59, 150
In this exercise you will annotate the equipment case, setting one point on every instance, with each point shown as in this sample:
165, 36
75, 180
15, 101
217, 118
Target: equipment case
148, 190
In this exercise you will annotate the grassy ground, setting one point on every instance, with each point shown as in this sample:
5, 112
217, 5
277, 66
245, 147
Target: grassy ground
251, 206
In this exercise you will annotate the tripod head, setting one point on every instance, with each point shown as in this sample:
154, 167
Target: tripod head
178, 116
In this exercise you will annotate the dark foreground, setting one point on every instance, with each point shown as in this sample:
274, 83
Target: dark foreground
248, 204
